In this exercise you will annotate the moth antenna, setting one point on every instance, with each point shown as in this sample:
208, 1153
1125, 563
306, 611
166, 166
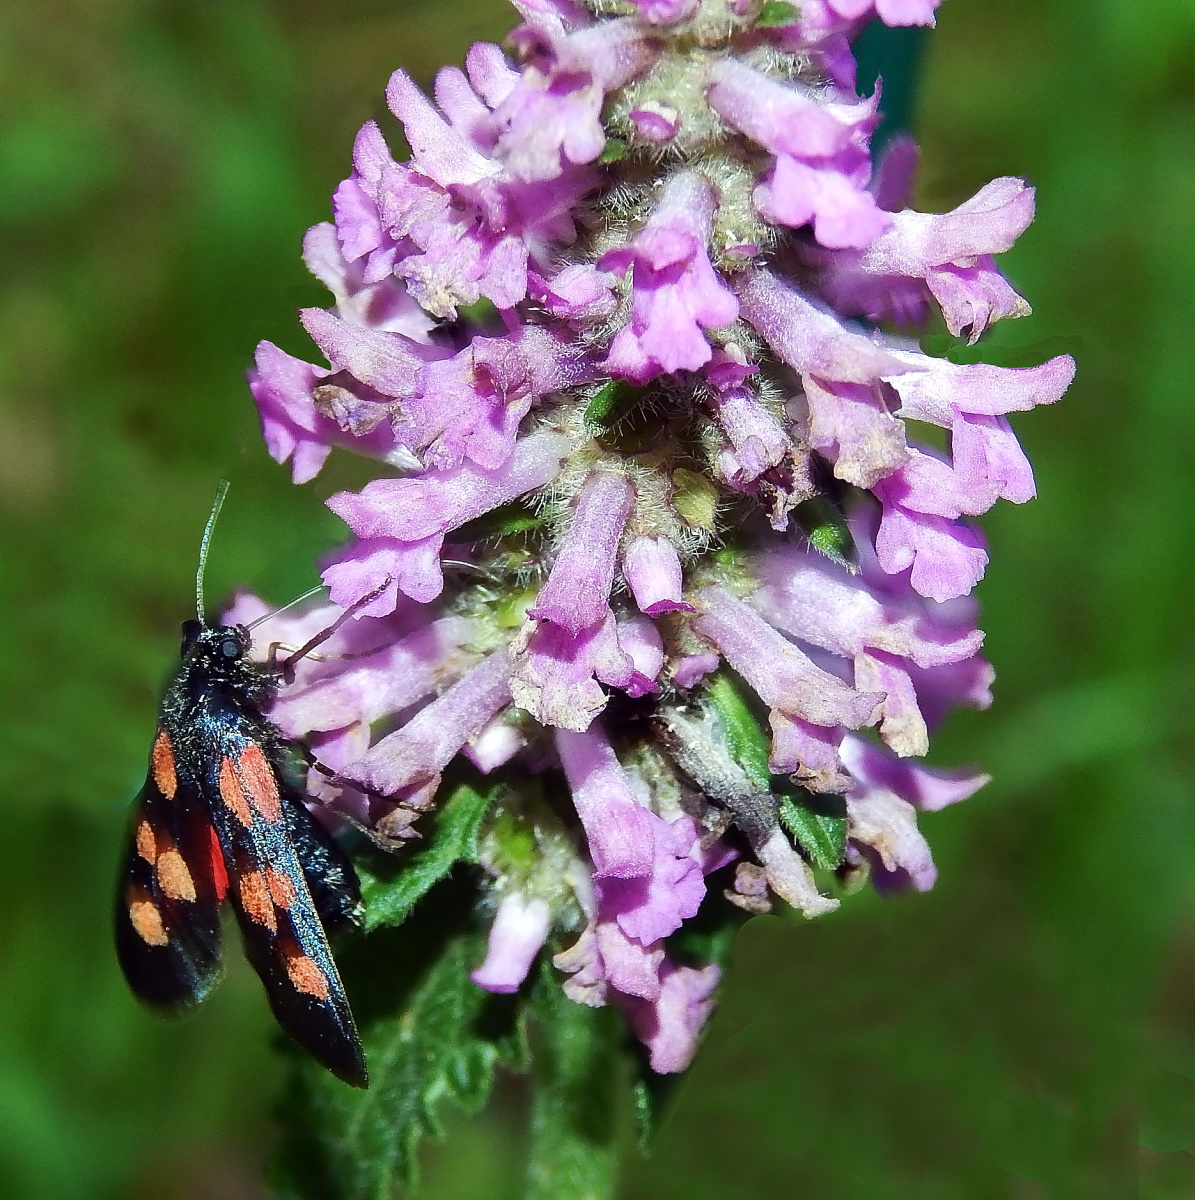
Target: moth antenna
319, 587
218, 503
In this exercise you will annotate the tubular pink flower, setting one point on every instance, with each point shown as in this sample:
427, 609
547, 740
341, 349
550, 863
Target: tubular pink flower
926, 789
625, 188
821, 167
789, 876
402, 522
670, 1027
375, 685
641, 641
521, 926
784, 678
619, 832
951, 253
948, 558
653, 573
378, 304
557, 673
552, 115
676, 292
758, 440
651, 907
887, 827
810, 338
808, 753
577, 593
934, 390
407, 763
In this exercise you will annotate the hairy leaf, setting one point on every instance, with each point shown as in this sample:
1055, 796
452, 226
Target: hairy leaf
777, 12
575, 1086
745, 737
352, 1145
827, 531
820, 830
388, 901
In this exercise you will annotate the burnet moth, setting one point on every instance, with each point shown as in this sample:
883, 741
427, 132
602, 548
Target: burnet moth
220, 817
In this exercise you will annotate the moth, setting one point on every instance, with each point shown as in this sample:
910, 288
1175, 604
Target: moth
219, 818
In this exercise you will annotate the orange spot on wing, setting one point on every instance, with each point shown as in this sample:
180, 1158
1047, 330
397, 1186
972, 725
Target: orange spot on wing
258, 782
146, 919
255, 899
232, 794
161, 765
282, 890
173, 876
147, 845
219, 871
306, 976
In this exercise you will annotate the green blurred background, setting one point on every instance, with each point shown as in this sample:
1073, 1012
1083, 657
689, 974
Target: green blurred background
1027, 1030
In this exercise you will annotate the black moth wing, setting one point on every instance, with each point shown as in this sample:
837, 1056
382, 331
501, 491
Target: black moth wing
331, 876
271, 874
170, 891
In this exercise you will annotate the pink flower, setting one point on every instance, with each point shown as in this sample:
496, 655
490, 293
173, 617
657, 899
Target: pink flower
646, 540
676, 292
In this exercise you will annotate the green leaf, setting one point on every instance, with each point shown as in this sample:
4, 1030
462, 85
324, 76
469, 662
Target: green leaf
611, 402
827, 531
820, 830
695, 499
515, 517
481, 313
352, 1145
388, 901
614, 150
575, 1083
776, 12
745, 737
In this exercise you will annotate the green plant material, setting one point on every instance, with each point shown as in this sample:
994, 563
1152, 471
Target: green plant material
776, 12
615, 149
483, 314
701, 943
827, 531
352, 1145
512, 611
575, 1087
645, 1115
388, 901
514, 517
820, 830
745, 737
612, 402
695, 499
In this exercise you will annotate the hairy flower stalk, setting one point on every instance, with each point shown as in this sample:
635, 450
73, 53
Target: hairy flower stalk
659, 536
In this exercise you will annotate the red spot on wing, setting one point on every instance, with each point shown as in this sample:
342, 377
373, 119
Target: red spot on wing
146, 917
232, 794
173, 876
305, 974
147, 844
256, 899
219, 871
282, 889
258, 782
161, 765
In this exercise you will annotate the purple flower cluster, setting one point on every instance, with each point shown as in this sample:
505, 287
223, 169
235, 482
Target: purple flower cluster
624, 337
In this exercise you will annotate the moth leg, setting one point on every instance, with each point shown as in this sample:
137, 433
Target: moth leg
376, 834
287, 666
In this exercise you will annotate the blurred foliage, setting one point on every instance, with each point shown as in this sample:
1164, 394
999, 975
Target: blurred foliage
1026, 1030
